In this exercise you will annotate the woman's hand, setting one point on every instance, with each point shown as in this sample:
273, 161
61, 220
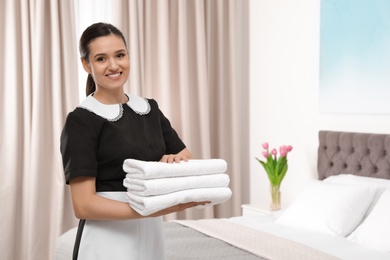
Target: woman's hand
183, 155
178, 208
173, 158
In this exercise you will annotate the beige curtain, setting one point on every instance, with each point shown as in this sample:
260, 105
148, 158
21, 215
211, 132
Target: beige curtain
38, 86
192, 57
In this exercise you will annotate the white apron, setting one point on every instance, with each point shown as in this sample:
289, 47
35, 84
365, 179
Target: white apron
139, 239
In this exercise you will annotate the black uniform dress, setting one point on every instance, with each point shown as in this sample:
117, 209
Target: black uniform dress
95, 141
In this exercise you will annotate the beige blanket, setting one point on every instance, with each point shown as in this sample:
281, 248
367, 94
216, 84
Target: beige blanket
255, 241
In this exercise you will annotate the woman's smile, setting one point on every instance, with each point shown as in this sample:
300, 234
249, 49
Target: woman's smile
114, 75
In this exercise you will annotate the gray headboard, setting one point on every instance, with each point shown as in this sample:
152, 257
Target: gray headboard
361, 154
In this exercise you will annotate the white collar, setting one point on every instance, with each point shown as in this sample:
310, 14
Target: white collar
114, 112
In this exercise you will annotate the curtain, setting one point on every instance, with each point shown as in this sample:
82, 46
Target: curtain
38, 74
192, 57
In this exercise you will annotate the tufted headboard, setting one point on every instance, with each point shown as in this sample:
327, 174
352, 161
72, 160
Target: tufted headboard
353, 153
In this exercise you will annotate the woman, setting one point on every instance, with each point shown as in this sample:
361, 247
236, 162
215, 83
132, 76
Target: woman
107, 128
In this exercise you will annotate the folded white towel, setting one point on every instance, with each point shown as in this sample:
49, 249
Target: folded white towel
150, 170
149, 205
172, 184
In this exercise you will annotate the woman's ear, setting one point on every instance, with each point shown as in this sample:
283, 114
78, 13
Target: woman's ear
86, 65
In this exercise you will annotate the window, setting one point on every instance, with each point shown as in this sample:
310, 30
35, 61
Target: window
88, 12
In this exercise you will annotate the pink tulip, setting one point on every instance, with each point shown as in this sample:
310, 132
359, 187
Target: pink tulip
265, 146
265, 154
274, 152
283, 151
289, 148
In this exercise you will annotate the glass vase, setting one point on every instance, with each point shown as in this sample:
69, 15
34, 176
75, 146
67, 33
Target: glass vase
275, 198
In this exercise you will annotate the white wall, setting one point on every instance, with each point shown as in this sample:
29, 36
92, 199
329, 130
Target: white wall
284, 82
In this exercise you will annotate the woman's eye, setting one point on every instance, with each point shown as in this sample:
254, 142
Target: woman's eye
100, 59
121, 55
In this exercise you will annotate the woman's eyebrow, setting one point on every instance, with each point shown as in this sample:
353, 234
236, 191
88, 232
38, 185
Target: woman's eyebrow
99, 54
121, 50
102, 54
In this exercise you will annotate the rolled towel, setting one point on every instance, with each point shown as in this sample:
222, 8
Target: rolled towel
168, 185
150, 170
149, 205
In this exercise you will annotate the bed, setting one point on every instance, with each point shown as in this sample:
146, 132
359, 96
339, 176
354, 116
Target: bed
342, 215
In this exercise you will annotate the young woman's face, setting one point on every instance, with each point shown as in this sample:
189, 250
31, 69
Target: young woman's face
108, 62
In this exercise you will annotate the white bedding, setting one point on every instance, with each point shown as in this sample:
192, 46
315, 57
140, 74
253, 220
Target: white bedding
339, 247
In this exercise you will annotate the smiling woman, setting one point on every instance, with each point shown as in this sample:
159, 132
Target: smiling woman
97, 137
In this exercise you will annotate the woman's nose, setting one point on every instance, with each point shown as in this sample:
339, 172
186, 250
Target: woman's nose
113, 65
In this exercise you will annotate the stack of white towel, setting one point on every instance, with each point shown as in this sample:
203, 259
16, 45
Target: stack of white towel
153, 186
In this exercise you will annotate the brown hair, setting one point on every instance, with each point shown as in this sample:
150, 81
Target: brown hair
91, 33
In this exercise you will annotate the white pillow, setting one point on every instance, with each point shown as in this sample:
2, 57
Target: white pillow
374, 232
334, 209
380, 184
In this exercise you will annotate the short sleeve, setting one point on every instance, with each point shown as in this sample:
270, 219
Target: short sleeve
172, 140
79, 141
